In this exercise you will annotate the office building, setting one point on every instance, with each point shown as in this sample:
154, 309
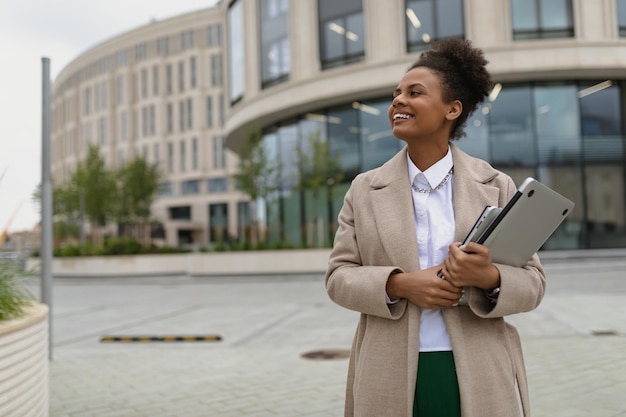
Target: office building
187, 92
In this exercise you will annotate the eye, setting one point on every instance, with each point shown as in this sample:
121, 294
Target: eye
415, 93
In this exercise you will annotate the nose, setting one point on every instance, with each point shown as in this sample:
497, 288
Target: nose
398, 100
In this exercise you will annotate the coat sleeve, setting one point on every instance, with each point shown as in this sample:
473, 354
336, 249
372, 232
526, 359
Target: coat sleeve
349, 283
521, 288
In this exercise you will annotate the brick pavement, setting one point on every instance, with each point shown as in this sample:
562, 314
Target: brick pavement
575, 344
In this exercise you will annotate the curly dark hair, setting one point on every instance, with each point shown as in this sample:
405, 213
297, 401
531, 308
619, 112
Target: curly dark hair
464, 76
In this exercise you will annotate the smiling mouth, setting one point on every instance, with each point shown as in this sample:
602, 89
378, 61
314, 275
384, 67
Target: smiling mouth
401, 116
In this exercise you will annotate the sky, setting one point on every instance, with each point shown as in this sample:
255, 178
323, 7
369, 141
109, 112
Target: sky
59, 30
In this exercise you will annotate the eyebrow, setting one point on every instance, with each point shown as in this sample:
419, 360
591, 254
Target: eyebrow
398, 88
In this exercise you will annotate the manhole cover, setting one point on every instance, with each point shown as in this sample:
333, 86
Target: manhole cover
327, 354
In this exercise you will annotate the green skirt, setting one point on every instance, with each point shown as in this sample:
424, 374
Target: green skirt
437, 388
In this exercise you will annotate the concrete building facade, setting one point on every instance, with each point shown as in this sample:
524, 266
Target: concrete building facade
322, 69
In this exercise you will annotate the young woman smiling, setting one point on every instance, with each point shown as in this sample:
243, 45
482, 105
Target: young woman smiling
417, 351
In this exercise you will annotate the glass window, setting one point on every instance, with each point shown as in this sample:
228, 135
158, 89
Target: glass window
511, 127
621, 17
244, 220
288, 142
342, 32
218, 222
216, 70
557, 120
605, 206
141, 51
120, 89
124, 125
170, 118
219, 152
476, 142
377, 142
181, 76
122, 58
183, 156
540, 19
190, 187
344, 137
155, 80
236, 62
180, 213
163, 46
189, 113
194, 153
165, 189
102, 130
274, 48
209, 112
428, 20
217, 185
152, 119
144, 121
291, 212
181, 115
170, 157
214, 35
192, 72
156, 153
87, 100
601, 119
168, 78
186, 39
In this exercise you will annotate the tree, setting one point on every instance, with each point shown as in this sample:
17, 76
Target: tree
95, 184
257, 176
319, 170
138, 182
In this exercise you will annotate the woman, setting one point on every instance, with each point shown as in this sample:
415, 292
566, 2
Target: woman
416, 351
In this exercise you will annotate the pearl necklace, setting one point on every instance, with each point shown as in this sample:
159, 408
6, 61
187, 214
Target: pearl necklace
441, 184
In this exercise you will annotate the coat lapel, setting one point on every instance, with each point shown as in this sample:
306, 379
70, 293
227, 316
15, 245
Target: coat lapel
471, 193
393, 212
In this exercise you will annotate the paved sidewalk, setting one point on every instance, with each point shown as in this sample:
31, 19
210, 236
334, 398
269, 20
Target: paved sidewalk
575, 345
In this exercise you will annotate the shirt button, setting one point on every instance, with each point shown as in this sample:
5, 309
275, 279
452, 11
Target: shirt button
421, 239
421, 212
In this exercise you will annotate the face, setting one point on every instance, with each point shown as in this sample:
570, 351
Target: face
418, 111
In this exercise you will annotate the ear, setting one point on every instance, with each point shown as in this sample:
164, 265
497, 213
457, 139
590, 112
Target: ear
455, 108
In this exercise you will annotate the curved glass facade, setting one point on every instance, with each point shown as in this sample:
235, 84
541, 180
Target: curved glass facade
568, 135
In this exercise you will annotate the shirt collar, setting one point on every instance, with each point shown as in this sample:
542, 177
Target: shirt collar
434, 175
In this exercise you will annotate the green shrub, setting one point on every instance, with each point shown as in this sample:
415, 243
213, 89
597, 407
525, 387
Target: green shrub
122, 246
13, 297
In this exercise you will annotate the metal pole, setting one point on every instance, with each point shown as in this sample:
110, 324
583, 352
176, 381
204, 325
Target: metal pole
46, 200
82, 218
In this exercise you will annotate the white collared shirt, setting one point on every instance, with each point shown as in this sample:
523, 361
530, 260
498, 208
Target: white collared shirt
434, 229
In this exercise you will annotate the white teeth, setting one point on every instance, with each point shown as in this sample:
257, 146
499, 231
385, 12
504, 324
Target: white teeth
400, 116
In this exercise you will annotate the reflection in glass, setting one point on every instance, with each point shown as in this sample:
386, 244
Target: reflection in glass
274, 40
511, 128
377, 142
538, 19
343, 133
428, 20
341, 29
601, 111
557, 120
236, 48
606, 209
218, 222
621, 17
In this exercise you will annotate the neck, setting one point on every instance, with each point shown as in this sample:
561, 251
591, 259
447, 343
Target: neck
425, 155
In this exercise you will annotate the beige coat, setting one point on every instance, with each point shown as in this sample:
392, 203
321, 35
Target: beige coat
376, 235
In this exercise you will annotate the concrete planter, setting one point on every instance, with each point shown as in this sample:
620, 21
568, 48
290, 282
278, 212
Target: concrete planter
270, 262
24, 364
